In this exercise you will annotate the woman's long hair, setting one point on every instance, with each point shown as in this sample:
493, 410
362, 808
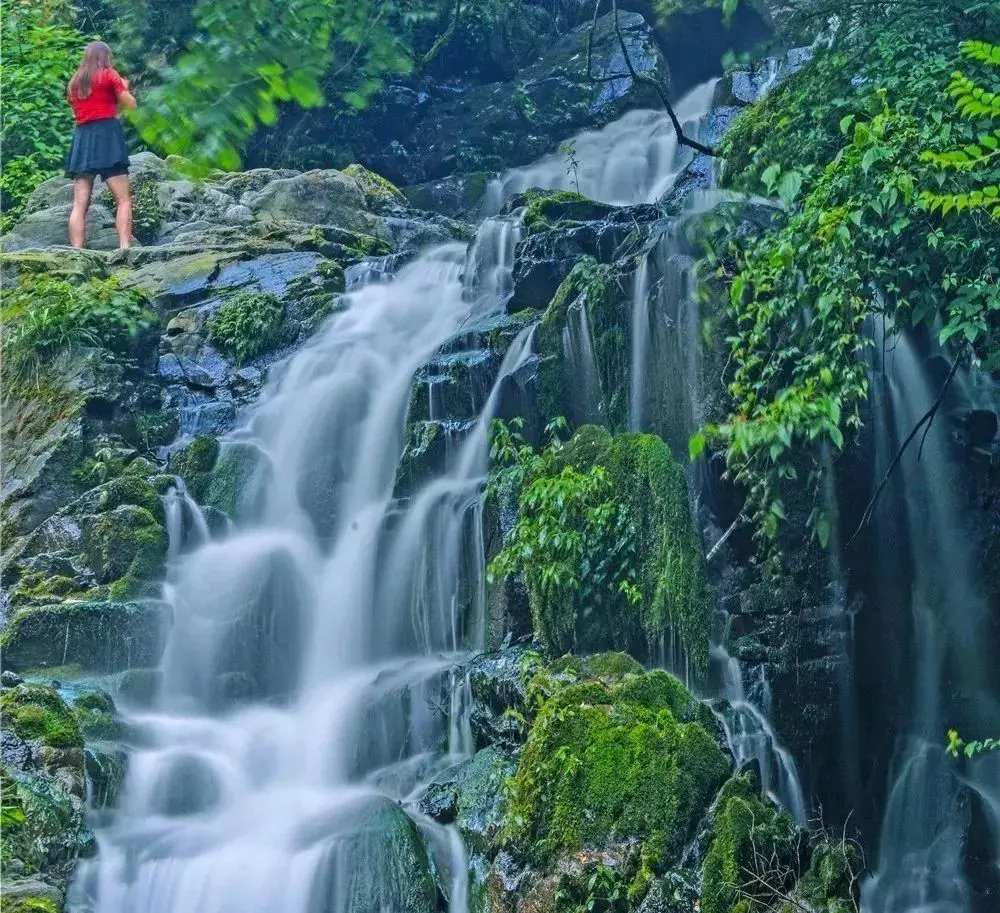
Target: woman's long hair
96, 57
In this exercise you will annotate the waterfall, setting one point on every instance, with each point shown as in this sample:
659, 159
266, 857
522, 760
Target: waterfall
314, 642
752, 738
635, 159
921, 864
640, 344
581, 366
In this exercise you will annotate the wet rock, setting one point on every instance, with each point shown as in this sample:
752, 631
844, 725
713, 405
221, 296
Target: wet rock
498, 686
376, 861
10, 679
97, 636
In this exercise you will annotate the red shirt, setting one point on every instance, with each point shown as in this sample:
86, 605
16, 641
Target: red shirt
102, 102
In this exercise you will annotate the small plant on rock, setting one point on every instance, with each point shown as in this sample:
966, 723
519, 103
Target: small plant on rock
247, 324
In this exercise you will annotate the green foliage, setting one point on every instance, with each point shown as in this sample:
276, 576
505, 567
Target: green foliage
975, 103
247, 324
665, 9
841, 144
957, 746
573, 543
11, 810
247, 58
45, 316
36, 712
606, 762
604, 540
41, 50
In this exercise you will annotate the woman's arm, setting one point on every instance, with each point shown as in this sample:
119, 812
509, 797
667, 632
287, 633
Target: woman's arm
125, 98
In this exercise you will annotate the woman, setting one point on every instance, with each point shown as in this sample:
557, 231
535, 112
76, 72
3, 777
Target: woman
95, 93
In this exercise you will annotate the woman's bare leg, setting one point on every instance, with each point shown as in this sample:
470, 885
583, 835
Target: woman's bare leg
82, 189
122, 190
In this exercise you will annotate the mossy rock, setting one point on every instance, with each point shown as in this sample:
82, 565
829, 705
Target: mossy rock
599, 290
745, 830
132, 488
96, 636
126, 548
230, 486
542, 209
38, 713
380, 194
97, 716
601, 665
46, 834
29, 895
194, 464
383, 861
608, 763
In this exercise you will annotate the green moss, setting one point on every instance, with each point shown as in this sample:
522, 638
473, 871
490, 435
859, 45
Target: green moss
195, 463
126, 547
35, 587
606, 763
379, 192
747, 835
247, 324
544, 208
676, 595
28, 905
96, 636
36, 712
132, 489
95, 714
231, 482
601, 665
598, 290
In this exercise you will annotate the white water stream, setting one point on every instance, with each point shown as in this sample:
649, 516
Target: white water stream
312, 644
635, 159
921, 862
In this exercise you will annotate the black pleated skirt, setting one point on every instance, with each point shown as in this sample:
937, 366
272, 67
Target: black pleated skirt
98, 147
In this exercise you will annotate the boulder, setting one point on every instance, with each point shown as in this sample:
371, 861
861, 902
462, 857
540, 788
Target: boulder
50, 228
316, 197
97, 636
376, 862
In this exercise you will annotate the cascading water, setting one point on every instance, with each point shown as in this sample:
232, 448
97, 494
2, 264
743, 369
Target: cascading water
311, 644
633, 160
752, 738
923, 847
640, 343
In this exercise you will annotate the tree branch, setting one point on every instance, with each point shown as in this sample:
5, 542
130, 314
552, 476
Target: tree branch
926, 419
444, 37
682, 138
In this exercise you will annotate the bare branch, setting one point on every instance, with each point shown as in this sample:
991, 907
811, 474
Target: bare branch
638, 77
925, 419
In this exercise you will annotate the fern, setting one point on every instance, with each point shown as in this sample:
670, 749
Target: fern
974, 102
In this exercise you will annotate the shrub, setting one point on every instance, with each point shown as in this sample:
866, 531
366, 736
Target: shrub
247, 324
41, 51
46, 317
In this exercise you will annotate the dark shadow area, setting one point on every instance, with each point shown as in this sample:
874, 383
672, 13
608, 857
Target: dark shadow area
695, 44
